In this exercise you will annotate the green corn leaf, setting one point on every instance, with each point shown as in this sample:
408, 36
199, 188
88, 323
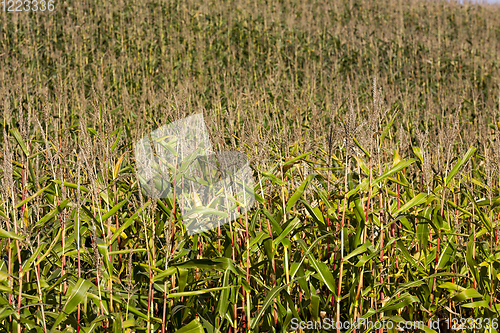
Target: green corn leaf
224, 295
307, 250
418, 200
418, 153
31, 197
477, 304
402, 302
206, 211
219, 264
76, 296
257, 240
324, 273
398, 167
273, 178
314, 306
113, 210
406, 254
271, 295
118, 133
291, 225
314, 212
38, 250
277, 228
387, 128
298, 193
127, 223
321, 268
3, 276
97, 322
467, 294
394, 304
471, 262
360, 249
451, 286
53, 213
183, 277
444, 257
15, 132
495, 201
362, 165
197, 292
295, 159
360, 147
193, 327
459, 164
11, 235
71, 185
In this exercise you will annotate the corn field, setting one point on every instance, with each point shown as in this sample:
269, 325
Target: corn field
372, 129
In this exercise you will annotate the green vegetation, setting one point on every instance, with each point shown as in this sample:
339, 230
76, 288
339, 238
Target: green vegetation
372, 127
